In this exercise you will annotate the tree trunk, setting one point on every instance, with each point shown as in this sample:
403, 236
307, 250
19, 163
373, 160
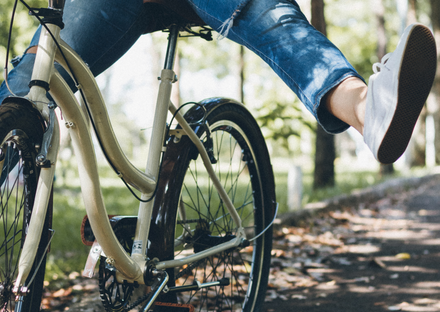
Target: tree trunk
379, 12
324, 175
241, 66
411, 16
433, 100
416, 154
318, 17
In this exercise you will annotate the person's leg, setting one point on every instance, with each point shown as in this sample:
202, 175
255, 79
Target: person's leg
347, 102
325, 82
100, 31
280, 34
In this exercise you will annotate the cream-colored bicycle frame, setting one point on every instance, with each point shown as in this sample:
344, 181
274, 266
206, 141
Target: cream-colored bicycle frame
129, 268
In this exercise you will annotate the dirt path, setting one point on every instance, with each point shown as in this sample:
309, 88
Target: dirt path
380, 256
387, 259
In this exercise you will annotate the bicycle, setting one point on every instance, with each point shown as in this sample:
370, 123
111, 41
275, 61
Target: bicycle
194, 243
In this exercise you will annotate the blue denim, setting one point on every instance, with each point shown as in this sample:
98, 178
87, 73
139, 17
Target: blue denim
101, 31
280, 34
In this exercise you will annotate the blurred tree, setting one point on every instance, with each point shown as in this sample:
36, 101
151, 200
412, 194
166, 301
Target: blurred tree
324, 174
417, 148
241, 69
353, 32
379, 13
434, 104
411, 16
280, 121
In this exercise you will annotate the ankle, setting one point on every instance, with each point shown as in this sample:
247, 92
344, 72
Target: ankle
347, 102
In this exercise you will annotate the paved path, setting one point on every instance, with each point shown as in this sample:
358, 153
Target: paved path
387, 258
379, 252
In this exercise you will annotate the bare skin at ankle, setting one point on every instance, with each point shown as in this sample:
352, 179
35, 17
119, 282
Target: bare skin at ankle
347, 102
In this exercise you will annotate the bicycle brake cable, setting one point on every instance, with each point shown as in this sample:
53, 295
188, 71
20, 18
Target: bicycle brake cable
267, 227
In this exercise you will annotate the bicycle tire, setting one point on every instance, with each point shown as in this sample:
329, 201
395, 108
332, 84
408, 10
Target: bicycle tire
21, 132
243, 167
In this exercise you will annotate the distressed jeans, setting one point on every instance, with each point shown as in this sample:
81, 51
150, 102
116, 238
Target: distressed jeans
101, 31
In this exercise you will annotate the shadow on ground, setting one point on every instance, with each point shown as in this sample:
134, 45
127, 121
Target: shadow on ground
366, 253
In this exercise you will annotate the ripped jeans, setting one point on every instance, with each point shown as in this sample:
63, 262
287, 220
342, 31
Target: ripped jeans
101, 31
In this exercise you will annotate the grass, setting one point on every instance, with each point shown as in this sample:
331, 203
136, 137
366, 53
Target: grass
68, 254
346, 182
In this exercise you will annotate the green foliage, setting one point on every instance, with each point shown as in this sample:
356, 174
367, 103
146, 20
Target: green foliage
22, 30
280, 121
346, 182
353, 31
67, 251
128, 133
217, 56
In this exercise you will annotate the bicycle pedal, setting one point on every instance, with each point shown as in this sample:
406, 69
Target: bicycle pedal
171, 307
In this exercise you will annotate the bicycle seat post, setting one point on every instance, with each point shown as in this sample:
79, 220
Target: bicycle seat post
171, 49
56, 4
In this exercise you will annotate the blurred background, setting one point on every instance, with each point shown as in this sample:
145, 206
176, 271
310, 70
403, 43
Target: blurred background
309, 164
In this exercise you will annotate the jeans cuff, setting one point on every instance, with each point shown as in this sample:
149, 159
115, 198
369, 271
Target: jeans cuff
327, 120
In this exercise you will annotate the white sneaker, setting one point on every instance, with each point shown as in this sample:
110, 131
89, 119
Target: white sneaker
397, 92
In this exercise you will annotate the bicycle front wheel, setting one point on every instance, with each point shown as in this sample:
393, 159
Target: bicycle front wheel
21, 131
202, 221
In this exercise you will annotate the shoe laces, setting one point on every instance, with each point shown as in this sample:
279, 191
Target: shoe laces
377, 67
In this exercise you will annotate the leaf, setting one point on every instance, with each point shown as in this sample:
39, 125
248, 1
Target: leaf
403, 256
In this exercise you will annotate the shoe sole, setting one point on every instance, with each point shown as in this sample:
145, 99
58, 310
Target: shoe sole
417, 74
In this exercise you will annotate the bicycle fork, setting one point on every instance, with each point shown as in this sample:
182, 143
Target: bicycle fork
47, 157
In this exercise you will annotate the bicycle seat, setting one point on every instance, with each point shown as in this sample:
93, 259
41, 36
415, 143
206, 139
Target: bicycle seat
170, 12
